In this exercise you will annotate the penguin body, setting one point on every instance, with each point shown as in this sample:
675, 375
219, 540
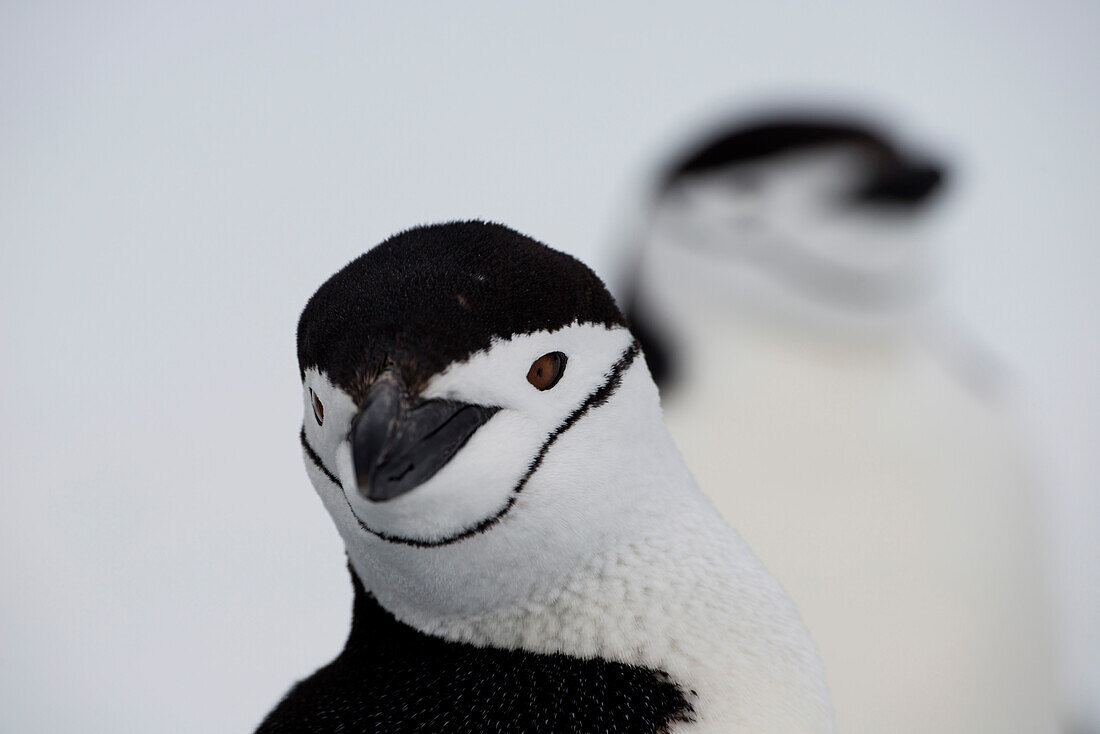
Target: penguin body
529, 550
785, 285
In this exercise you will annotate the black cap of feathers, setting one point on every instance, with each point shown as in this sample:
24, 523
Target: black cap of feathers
436, 294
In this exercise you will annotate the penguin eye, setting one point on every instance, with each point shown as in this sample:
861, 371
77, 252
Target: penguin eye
318, 407
546, 370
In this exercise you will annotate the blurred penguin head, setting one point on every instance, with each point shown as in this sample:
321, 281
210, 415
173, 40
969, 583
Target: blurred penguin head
798, 213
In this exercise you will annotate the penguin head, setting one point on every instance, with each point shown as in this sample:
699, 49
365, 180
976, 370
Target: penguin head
803, 210
440, 371
804, 178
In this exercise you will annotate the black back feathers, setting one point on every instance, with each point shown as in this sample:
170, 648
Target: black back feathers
433, 295
391, 678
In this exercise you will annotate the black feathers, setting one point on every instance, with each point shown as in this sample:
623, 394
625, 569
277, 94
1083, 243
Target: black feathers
436, 294
894, 178
391, 678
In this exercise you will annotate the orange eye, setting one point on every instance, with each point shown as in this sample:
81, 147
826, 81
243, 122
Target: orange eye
546, 370
318, 407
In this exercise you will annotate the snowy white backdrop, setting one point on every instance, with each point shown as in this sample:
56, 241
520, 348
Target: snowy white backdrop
175, 181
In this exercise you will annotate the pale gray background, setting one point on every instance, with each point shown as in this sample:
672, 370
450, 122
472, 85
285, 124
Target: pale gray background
176, 180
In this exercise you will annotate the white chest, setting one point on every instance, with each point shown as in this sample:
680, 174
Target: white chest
691, 601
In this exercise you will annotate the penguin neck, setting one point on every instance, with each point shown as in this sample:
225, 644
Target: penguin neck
675, 589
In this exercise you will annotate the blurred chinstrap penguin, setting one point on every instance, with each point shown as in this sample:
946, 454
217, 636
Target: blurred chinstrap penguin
528, 550
784, 293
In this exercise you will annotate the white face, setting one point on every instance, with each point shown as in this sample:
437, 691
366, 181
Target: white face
428, 547
786, 224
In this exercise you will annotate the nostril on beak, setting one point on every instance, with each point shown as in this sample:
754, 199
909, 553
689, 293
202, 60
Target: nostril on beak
397, 477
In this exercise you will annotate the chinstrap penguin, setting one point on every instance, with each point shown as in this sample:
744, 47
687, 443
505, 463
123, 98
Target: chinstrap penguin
528, 550
782, 282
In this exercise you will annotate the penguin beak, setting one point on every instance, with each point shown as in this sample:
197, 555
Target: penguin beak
907, 184
397, 446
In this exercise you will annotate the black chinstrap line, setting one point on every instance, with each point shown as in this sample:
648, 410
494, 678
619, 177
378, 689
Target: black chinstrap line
317, 459
598, 397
